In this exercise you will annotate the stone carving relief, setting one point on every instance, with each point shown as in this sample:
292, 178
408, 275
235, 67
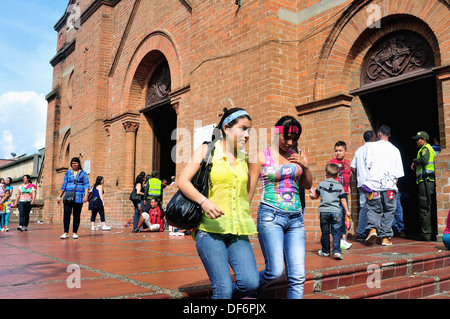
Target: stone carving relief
397, 54
159, 86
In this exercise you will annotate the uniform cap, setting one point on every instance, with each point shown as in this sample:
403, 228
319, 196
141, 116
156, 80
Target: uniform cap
421, 134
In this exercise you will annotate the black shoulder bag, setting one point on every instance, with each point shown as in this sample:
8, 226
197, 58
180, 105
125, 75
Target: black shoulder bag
183, 213
134, 196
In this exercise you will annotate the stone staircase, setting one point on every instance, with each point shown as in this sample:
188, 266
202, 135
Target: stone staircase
414, 277
426, 276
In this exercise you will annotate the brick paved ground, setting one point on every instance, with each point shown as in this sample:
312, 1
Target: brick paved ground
121, 265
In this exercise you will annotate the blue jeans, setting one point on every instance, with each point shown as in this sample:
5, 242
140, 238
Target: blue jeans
282, 239
331, 223
397, 224
362, 220
380, 213
446, 240
218, 252
137, 214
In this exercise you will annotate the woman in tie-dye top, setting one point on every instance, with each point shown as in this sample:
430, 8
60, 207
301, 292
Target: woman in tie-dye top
26, 194
283, 170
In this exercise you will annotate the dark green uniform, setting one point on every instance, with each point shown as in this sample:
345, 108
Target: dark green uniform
425, 176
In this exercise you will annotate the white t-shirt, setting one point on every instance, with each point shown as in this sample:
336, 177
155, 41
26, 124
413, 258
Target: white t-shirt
384, 164
359, 163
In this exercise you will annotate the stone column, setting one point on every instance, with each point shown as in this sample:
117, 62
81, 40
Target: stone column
131, 128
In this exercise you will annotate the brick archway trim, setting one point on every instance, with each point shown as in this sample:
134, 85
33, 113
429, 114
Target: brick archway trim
156, 41
343, 52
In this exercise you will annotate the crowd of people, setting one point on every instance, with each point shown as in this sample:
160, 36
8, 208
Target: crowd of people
222, 237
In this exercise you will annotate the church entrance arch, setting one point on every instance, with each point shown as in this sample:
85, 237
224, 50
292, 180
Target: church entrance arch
398, 88
162, 119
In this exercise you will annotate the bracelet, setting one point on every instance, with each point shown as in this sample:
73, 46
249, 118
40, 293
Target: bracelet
58, 198
203, 200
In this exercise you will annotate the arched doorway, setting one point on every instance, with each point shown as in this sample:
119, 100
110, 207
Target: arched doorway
162, 119
398, 88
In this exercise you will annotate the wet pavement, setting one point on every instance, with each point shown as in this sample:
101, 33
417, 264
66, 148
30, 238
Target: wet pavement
118, 264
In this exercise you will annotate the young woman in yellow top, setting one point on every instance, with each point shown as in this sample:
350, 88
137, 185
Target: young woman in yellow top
222, 235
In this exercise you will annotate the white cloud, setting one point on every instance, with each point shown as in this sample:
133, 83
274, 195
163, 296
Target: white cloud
6, 145
23, 117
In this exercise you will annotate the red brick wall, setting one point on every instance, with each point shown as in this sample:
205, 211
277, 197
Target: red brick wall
219, 53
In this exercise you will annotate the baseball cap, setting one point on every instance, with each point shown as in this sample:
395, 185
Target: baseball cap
421, 134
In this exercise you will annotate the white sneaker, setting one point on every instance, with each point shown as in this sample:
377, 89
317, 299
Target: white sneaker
106, 228
64, 236
322, 254
345, 244
338, 256
75, 236
94, 228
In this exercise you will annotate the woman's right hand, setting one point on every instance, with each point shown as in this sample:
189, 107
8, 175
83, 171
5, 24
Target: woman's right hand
211, 210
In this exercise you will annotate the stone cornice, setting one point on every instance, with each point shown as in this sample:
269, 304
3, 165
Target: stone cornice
63, 53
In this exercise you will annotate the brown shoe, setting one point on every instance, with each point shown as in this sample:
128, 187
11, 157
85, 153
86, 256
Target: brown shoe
372, 237
386, 241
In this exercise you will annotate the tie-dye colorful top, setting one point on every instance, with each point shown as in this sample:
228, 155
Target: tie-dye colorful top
280, 184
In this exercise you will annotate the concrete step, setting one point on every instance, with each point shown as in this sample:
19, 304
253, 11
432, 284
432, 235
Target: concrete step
420, 279
442, 295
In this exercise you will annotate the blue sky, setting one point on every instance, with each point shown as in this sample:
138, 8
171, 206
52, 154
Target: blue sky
27, 43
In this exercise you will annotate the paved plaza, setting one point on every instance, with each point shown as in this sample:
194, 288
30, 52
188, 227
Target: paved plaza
118, 264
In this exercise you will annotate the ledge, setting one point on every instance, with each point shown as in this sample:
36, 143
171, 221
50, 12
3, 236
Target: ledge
63, 53
327, 103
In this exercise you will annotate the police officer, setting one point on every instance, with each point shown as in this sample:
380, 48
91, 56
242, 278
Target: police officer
153, 189
423, 164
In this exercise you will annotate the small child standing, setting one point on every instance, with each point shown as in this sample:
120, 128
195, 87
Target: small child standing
2, 188
5, 211
340, 151
332, 196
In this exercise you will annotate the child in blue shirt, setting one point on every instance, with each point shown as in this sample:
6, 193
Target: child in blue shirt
332, 196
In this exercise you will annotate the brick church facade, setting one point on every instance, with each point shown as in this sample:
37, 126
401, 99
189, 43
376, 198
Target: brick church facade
127, 73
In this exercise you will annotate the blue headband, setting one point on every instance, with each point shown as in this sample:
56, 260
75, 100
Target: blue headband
234, 116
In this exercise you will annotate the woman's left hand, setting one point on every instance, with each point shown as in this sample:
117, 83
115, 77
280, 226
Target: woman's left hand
300, 159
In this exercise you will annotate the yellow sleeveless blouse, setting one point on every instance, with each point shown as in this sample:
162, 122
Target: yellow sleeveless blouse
229, 193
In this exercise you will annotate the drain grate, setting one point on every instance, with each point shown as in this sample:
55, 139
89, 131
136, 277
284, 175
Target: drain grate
393, 255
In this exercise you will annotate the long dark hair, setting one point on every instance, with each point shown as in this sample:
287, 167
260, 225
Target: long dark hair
98, 181
139, 180
288, 121
219, 132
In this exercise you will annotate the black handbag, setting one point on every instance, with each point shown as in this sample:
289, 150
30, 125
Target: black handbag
91, 194
181, 212
134, 196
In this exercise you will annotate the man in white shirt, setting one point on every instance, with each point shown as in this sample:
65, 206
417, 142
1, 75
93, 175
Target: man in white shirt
384, 164
358, 167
